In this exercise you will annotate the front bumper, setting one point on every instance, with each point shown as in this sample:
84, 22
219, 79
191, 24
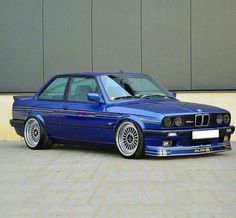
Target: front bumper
187, 132
184, 144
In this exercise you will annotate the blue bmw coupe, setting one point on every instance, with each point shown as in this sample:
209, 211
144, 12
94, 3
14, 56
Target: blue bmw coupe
129, 110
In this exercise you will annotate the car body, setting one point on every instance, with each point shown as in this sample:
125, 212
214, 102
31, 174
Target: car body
129, 110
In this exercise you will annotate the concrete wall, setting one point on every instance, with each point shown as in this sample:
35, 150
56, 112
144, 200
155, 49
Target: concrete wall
6, 131
21, 46
222, 99
186, 44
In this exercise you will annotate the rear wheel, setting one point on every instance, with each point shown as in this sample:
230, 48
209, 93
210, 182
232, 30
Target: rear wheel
129, 140
35, 135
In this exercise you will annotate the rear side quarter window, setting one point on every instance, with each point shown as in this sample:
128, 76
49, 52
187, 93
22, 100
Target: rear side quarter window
55, 90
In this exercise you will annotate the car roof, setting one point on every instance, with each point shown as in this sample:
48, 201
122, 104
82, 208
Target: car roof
96, 73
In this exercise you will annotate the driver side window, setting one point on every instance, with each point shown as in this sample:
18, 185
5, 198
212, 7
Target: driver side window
80, 87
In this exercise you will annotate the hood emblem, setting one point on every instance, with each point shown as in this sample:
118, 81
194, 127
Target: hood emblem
199, 110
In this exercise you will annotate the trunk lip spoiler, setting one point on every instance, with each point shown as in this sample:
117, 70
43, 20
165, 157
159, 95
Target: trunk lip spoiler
20, 97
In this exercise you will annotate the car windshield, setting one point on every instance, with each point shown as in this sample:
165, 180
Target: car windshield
131, 86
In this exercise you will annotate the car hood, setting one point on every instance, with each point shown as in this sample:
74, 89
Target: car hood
166, 107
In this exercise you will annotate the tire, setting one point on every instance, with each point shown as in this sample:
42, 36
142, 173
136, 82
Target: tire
129, 140
35, 135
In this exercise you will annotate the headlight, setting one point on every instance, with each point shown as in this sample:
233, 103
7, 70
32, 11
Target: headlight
219, 118
167, 122
226, 118
178, 121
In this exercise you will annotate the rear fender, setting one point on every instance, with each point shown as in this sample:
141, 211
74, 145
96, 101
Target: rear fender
38, 116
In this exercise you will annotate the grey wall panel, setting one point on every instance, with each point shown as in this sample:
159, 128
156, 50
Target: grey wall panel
20, 45
116, 35
67, 36
166, 41
214, 44
40, 38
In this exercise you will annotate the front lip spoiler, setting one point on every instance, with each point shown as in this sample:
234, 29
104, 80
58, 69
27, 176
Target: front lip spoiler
186, 150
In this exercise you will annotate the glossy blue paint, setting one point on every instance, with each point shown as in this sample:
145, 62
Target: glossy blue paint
96, 121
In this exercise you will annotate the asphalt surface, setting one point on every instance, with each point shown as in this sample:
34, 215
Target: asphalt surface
69, 181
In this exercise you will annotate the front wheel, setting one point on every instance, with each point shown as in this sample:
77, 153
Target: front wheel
129, 140
35, 135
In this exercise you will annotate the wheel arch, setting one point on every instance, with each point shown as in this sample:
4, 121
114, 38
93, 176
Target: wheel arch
44, 140
139, 147
135, 119
37, 116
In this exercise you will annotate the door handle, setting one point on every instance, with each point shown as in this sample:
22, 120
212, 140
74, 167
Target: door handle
65, 107
56, 110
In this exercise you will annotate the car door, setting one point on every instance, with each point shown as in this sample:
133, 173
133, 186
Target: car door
49, 106
82, 118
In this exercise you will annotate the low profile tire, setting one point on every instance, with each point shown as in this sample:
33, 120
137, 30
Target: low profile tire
129, 140
35, 135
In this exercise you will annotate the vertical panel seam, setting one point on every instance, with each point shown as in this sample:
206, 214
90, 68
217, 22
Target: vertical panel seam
43, 39
141, 35
190, 46
91, 34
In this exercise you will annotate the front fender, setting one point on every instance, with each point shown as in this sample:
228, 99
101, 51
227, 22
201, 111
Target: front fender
143, 122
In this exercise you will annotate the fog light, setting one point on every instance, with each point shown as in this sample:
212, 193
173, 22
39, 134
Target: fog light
226, 138
172, 134
167, 143
228, 130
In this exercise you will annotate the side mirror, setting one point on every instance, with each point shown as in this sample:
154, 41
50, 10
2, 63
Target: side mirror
95, 97
173, 94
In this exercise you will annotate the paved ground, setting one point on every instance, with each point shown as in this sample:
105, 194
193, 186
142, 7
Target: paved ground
84, 182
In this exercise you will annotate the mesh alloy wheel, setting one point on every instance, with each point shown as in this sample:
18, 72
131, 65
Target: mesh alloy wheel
32, 133
129, 140
35, 135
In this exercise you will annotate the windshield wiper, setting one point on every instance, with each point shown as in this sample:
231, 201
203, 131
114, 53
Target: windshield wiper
125, 97
151, 96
